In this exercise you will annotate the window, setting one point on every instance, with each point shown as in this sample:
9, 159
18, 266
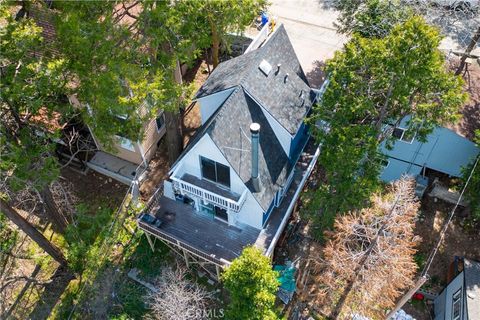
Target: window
223, 174
160, 122
208, 169
221, 214
384, 163
404, 134
457, 305
215, 171
126, 143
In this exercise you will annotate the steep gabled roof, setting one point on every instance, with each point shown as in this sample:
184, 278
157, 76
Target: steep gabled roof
288, 99
284, 93
230, 131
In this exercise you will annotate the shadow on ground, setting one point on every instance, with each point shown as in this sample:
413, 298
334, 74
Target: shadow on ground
316, 76
51, 294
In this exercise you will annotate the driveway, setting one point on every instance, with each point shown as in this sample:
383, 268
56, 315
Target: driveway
309, 24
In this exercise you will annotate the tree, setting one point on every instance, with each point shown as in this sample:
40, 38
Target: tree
375, 18
32, 87
468, 51
178, 298
371, 18
222, 17
135, 71
252, 285
33, 233
369, 258
473, 189
374, 84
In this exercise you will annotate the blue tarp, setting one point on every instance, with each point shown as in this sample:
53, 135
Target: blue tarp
288, 285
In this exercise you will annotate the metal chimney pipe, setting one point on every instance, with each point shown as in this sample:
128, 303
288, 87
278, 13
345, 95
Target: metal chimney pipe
255, 131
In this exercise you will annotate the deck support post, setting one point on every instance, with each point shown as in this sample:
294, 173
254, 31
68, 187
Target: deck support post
217, 268
185, 255
150, 241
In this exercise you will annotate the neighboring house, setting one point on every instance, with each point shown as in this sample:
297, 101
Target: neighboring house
460, 299
444, 151
237, 181
127, 159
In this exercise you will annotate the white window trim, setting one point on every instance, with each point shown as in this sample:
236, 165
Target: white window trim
458, 294
386, 165
126, 144
403, 133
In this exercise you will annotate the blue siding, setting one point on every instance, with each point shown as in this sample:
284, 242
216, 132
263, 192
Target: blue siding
444, 151
267, 213
396, 168
298, 141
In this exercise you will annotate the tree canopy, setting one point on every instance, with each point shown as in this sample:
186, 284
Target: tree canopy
472, 191
220, 17
371, 18
374, 84
369, 259
252, 285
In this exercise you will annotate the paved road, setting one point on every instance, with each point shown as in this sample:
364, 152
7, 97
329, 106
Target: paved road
309, 24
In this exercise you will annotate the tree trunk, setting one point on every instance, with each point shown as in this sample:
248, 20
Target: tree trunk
174, 135
55, 217
33, 233
173, 124
469, 50
215, 44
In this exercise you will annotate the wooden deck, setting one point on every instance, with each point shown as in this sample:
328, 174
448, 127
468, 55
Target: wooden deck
183, 226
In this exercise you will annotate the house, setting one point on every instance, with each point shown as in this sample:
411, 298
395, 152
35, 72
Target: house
238, 180
126, 159
460, 299
443, 151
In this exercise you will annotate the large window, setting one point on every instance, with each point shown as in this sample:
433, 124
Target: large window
215, 171
457, 305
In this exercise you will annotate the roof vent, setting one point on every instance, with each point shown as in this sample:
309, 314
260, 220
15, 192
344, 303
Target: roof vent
265, 67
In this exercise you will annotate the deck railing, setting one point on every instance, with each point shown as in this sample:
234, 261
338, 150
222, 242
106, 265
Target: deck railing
208, 196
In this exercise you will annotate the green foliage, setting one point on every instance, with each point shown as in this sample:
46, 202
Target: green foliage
8, 236
216, 18
420, 260
371, 18
374, 84
472, 192
252, 285
84, 237
31, 86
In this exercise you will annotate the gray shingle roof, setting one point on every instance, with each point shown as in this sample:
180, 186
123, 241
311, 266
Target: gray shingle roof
230, 131
287, 99
472, 287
